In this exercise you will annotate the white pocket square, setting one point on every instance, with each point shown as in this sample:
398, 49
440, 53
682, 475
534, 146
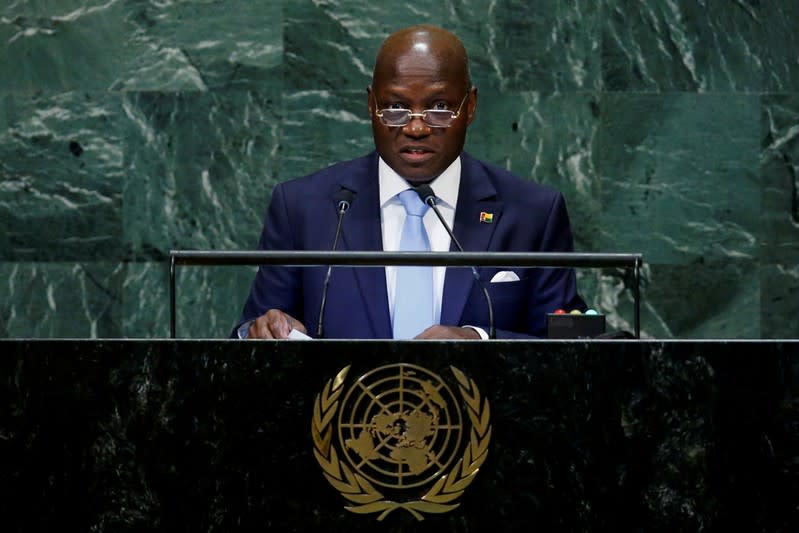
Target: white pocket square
504, 276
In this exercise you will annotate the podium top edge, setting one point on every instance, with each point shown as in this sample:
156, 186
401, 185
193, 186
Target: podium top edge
381, 258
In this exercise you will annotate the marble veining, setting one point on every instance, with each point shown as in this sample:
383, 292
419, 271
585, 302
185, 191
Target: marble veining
132, 127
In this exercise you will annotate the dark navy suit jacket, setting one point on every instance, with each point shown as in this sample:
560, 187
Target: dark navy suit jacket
526, 218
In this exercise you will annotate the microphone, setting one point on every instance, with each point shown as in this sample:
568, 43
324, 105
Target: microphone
344, 199
427, 195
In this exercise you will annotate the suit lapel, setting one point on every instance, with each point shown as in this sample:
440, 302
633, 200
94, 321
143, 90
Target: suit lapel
361, 232
476, 194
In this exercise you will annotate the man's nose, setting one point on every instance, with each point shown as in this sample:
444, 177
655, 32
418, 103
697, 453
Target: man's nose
416, 127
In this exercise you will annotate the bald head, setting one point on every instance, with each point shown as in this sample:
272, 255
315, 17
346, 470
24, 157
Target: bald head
424, 46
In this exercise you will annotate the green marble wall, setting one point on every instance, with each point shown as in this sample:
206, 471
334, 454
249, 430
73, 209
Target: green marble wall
132, 127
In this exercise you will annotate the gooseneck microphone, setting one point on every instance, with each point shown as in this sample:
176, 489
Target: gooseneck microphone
427, 195
344, 199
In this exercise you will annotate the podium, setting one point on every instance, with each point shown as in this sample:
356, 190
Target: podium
169, 435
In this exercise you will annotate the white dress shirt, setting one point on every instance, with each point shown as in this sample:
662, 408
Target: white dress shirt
392, 218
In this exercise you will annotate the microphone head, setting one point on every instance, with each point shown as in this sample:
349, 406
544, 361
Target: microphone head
344, 198
426, 193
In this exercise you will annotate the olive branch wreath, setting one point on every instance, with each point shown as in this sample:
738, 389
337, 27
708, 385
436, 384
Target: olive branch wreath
357, 489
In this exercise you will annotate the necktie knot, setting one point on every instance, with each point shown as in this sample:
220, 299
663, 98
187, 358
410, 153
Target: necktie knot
412, 203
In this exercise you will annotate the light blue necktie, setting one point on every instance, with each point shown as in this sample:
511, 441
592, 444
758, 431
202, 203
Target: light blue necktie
413, 293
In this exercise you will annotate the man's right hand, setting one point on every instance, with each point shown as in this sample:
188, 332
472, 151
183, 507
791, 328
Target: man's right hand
274, 324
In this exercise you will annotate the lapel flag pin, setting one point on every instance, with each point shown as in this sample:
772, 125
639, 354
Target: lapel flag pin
486, 218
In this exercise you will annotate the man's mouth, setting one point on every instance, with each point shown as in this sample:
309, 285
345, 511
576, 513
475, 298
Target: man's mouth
415, 154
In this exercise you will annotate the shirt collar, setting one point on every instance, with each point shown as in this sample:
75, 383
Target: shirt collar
445, 185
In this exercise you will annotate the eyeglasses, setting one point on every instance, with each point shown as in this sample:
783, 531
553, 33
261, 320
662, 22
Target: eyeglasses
435, 118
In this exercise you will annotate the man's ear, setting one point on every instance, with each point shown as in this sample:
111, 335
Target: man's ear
370, 102
471, 105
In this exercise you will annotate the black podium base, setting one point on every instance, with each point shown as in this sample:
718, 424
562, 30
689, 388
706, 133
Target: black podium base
217, 435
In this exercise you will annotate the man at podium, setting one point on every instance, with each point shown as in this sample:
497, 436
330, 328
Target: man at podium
421, 103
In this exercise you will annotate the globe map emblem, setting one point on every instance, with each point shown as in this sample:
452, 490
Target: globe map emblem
400, 426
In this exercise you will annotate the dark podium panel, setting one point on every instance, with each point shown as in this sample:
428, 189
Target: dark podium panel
216, 435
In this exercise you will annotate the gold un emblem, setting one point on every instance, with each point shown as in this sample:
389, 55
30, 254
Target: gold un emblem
396, 439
